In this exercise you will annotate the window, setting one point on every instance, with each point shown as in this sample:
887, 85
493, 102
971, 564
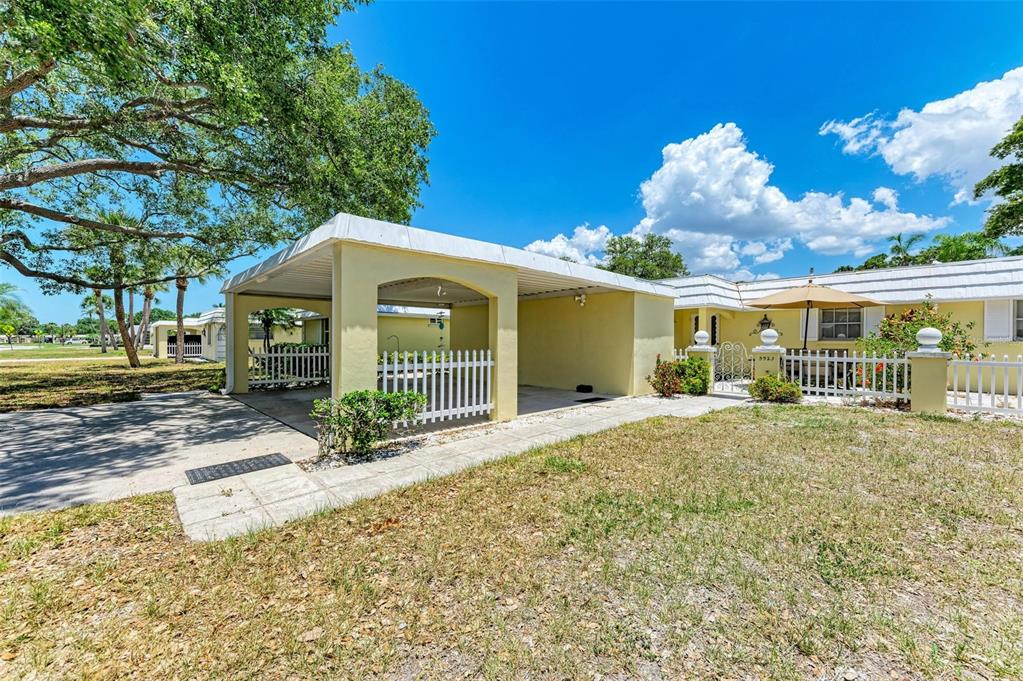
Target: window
841, 324
324, 331
1019, 320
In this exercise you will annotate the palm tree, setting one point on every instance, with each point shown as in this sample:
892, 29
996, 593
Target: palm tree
96, 304
900, 250
7, 294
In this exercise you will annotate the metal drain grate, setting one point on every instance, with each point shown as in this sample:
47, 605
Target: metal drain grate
587, 400
226, 470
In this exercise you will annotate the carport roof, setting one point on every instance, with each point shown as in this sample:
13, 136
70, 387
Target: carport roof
304, 268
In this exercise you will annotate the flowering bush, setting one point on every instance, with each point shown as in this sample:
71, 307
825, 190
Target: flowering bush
896, 335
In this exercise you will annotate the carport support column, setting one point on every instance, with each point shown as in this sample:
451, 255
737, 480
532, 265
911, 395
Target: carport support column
237, 323
504, 346
353, 323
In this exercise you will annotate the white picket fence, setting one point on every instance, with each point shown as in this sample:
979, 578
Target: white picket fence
985, 384
192, 349
857, 375
284, 366
457, 383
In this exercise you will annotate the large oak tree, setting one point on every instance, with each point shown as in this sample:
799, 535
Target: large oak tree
223, 126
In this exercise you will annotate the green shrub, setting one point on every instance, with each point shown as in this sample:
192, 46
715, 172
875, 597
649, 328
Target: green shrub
690, 376
359, 419
773, 388
695, 373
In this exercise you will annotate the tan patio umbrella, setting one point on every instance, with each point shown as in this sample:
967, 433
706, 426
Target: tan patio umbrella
809, 296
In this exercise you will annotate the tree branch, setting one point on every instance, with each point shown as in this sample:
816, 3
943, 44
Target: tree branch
25, 80
51, 172
59, 216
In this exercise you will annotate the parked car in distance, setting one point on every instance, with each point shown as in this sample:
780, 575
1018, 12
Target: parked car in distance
77, 340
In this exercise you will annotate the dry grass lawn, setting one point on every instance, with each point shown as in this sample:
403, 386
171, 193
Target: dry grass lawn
787, 542
44, 385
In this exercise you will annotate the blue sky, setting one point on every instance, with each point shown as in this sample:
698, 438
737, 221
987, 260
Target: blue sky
554, 116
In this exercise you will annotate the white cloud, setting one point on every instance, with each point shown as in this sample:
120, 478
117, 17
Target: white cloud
887, 197
713, 197
586, 245
950, 139
712, 185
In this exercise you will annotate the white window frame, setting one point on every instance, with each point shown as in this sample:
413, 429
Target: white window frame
325, 331
1017, 320
822, 324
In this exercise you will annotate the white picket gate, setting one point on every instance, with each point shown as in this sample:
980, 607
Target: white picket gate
285, 366
984, 384
457, 383
820, 373
192, 349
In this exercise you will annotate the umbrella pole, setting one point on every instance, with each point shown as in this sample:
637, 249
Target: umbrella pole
806, 324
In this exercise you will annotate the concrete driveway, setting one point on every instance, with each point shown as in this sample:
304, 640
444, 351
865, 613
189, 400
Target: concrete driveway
63, 457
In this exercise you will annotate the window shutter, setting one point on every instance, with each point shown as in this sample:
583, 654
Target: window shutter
998, 320
872, 317
814, 327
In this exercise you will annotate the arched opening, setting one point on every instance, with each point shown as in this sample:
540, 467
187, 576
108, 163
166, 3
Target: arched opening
286, 349
433, 337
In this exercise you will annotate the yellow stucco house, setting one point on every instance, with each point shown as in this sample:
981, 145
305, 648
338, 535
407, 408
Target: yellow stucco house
468, 322
988, 293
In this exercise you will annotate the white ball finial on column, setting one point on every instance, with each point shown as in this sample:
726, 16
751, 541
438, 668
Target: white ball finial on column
701, 338
928, 339
769, 338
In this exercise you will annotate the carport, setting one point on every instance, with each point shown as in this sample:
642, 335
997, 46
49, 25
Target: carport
516, 317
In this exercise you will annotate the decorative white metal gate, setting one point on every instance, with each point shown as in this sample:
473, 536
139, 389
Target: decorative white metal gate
733, 368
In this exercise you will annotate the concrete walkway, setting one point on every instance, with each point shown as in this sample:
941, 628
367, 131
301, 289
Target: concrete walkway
239, 504
63, 457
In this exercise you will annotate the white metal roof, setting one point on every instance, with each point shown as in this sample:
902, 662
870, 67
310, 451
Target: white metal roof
990, 278
304, 268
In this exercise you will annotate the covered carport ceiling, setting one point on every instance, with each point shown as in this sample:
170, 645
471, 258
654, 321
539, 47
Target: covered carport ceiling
304, 270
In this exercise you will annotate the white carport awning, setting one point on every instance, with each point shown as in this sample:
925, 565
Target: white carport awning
304, 269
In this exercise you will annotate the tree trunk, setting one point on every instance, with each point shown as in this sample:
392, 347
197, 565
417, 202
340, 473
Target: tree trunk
131, 318
147, 308
98, 295
267, 335
179, 355
122, 327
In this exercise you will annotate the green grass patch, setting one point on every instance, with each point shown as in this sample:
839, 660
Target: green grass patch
748, 543
45, 385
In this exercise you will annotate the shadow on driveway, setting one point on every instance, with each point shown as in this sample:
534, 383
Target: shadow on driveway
64, 457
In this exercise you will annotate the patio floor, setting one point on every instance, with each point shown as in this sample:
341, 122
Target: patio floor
291, 407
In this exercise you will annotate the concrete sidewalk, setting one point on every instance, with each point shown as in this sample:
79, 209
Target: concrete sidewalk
239, 504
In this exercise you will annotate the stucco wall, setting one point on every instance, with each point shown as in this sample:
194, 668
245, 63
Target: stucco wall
654, 335
470, 328
610, 343
414, 334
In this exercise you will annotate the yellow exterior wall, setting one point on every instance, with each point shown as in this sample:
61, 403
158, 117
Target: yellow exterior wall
653, 337
469, 327
738, 327
414, 334
610, 343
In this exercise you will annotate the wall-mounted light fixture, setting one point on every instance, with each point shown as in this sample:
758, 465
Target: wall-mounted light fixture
581, 299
